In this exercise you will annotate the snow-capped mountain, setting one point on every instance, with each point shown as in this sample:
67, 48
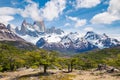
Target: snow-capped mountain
72, 42
54, 30
29, 29
6, 34
33, 32
101, 41
56, 39
39, 26
36, 29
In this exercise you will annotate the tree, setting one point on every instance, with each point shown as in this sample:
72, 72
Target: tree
41, 58
9, 57
47, 58
69, 62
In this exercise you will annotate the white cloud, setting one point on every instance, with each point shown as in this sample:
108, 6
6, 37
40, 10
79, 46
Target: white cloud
88, 29
115, 36
106, 2
9, 11
6, 14
87, 3
78, 22
67, 24
104, 18
31, 10
5, 19
53, 9
72, 18
114, 7
112, 14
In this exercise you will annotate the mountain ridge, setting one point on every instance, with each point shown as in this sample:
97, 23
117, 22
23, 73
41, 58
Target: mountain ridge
57, 39
72, 42
10, 38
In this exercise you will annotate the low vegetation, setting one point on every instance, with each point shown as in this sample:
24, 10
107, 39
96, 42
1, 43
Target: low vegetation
12, 58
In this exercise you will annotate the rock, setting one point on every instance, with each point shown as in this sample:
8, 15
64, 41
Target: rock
101, 67
1, 76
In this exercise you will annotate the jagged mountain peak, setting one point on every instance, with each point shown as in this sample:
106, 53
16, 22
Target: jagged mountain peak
41, 22
33, 30
92, 35
24, 21
6, 34
39, 26
101, 41
73, 42
55, 39
9, 27
105, 35
54, 30
2, 26
90, 32
74, 33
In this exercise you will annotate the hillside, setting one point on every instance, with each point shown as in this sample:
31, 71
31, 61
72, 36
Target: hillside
10, 38
91, 59
20, 45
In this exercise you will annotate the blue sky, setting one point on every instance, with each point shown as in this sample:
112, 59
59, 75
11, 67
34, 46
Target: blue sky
101, 16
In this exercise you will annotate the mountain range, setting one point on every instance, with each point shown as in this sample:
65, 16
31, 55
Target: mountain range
57, 39
72, 42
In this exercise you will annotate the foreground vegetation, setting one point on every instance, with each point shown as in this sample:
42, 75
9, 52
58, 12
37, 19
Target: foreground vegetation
12, 58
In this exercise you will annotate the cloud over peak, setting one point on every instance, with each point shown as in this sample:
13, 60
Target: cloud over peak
88, 29
53, 9
31, 10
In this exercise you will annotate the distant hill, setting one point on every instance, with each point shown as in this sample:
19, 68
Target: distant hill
20, 45
91, 59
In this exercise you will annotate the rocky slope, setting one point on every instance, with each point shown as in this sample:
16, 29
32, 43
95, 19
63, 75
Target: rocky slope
6, 34
10, 38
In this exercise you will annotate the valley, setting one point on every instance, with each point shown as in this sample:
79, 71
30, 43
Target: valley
58, 55
59, 40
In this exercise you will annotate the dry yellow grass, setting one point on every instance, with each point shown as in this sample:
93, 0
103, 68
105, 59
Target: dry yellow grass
76, 75
88, 75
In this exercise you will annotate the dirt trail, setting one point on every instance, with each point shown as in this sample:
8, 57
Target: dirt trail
79, 75
88, 75
13, 75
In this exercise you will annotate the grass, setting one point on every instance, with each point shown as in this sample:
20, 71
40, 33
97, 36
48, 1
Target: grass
49, 77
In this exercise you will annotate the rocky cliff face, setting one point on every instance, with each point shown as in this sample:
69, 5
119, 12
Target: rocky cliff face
10, 38
6, 34
31, 29
39, 26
